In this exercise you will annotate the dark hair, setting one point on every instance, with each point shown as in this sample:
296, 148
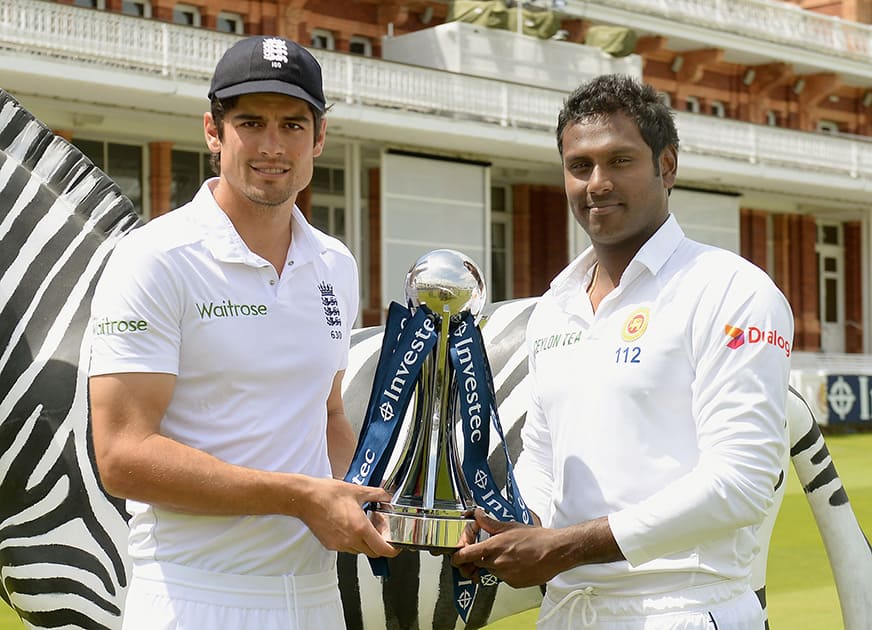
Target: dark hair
220, 107
612, 93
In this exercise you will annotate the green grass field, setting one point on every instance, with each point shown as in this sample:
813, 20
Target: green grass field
800, 586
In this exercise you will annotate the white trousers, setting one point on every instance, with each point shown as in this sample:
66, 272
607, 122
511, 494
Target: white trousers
165, 596
729, 605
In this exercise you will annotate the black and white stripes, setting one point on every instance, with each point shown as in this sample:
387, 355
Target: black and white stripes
60, 556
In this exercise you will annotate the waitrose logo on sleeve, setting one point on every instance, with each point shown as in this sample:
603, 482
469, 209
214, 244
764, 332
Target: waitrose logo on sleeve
107, 326
214, 310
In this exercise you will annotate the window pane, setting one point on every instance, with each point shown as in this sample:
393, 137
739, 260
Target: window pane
360, 45
339, 223
320, 218
498, 236
323, 39
830, 264
186, 177
126, 170
133, 8
830, 234
498, 199
228, 24
497, 290
321, 179
832, 311
183, 17
92, 150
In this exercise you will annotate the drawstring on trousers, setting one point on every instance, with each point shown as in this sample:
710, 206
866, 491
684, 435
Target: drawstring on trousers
296, 617
588, 613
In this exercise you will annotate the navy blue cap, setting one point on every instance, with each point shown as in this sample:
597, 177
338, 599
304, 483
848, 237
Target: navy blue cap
269, 64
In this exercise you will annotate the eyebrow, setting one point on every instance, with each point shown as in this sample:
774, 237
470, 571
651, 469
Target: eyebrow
243, 116
623, 149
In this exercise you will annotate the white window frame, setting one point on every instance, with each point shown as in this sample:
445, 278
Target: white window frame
327, 36
828, 126
235, 17
771, 118
334, 201
692, 104
366, 42
190, 9
146, 7
832, 333
504, 217
718, 109
100, 6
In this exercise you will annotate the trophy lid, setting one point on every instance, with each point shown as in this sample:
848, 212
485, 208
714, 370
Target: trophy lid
445, 279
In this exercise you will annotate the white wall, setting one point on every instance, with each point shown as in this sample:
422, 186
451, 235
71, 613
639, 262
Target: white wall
708, 217
431, 204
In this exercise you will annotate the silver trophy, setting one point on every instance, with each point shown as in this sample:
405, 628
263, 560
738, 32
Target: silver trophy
431, 501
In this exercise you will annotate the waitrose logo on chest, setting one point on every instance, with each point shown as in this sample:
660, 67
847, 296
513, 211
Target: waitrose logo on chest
226, 308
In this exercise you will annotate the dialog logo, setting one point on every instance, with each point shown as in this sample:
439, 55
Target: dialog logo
737, 336
753, 334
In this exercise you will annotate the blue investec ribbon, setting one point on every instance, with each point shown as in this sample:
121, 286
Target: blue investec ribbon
408, 340
478, 412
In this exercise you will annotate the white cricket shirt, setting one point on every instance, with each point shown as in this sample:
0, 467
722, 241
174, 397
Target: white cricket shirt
664, 411
255, 355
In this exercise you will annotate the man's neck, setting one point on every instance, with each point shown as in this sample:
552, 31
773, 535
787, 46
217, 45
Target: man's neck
265, 230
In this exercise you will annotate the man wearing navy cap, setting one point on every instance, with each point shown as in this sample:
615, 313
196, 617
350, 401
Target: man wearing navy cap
220, 337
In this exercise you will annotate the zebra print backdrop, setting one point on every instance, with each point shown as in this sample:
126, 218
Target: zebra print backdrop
62, 539
60, 558
848, 549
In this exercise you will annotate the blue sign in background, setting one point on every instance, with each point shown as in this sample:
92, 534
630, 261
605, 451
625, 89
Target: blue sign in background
849, 399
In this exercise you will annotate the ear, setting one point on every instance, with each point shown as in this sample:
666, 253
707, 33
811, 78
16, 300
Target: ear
669, 166
320, 138
213, 142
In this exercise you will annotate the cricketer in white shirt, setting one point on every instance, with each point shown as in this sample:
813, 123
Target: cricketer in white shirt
665, 410
259, 355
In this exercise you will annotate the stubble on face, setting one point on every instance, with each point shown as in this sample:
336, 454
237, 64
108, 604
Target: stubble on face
267, 151
265, 198
612, 186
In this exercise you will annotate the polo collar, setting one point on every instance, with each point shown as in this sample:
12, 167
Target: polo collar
658, 249
653, 254
226, 245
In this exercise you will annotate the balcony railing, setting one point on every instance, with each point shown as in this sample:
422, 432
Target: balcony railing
156, 48
758, 144
761, 20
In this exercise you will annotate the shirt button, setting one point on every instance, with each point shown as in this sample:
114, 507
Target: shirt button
272, 282
290, 262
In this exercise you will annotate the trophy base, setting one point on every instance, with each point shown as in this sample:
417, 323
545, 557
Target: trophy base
436, 530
